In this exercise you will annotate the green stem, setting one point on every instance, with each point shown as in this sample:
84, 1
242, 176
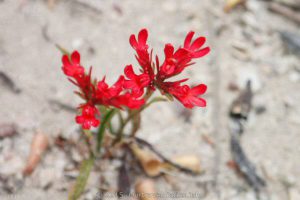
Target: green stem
105, 120
131, 115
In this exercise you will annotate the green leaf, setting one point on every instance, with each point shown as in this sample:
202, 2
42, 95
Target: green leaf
62, 50
106, 118
85, 170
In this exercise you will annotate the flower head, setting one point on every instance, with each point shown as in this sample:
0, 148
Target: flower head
87, 119
136, 83
189, 97
72, 67
143, 56
194, 47
104, 94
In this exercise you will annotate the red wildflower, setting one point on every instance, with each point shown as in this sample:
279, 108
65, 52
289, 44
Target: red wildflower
136, 83
72, 67
189, 97
174, 63
194, 48
129, 101
141, 48
88, 116
104, 94
141, 43
128, 91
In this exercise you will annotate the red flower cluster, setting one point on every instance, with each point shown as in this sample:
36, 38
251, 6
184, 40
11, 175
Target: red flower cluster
129, 89
174, 63
97, 92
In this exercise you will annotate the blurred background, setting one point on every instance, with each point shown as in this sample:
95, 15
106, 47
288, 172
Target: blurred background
252, 40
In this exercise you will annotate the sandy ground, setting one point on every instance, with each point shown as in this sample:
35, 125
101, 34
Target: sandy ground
245, 45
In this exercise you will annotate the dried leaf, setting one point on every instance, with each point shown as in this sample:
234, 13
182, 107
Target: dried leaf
85, 170
38, 146
231, 4
145, 189
190, 162
150, 163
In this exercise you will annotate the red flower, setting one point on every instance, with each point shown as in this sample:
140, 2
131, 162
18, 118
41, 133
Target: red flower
72, 68
174, 62
189, 97
104, 94
88, 116
129, 101
136, 83
141, 48
128, 92
194, 48
140, 44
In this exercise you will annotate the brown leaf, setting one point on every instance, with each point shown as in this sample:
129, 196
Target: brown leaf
191, 162
231, 4
145, 189
38, 146
150, 163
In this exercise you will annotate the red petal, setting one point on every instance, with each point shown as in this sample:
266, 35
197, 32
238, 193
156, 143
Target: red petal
95, 122
129, 84
65, 60
133, 42
201, 52
188, 39
135, 103
144, 79
79, 119
198, 102
143, 35
128, 71
75, 57
169, 51
198, 90
86, 125
198, 43
181, 54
